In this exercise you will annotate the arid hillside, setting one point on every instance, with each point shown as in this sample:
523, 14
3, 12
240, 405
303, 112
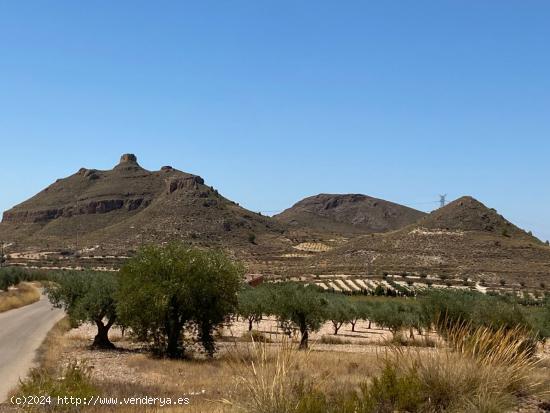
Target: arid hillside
348, 214
464, 238
117, 210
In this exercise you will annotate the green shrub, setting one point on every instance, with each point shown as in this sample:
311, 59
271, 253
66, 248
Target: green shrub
393, 390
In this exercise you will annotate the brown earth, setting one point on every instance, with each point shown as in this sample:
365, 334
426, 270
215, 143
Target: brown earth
348, 214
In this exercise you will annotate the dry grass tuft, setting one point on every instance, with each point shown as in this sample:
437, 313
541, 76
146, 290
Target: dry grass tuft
269, 379
23, 295
511, 351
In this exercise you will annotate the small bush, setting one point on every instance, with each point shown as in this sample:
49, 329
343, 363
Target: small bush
393, 390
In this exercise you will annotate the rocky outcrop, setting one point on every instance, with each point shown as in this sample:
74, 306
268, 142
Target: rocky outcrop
128, 162
184, 182
128, 158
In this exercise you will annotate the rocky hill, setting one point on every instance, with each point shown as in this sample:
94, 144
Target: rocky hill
464, 238
114, 211
348, 214
104, 215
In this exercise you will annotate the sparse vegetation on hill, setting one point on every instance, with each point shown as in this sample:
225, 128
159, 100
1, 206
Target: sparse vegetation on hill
98, 218
464, 236
348, 214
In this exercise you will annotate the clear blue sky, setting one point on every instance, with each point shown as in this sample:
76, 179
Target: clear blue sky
271, 101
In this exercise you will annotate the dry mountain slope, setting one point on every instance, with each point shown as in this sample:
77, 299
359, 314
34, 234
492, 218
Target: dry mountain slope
120, 208
348, 214
464, 238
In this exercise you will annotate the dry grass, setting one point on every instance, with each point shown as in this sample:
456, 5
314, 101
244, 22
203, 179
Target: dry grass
268, 378
264, 377
219, 385
23, 295
47, 355
335, 340
481, 371
207, 382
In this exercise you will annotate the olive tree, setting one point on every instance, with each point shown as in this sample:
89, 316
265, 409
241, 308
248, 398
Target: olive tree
339, 311
253, 304
303, 306
165, 290
87, 297
392, 315
362, 310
